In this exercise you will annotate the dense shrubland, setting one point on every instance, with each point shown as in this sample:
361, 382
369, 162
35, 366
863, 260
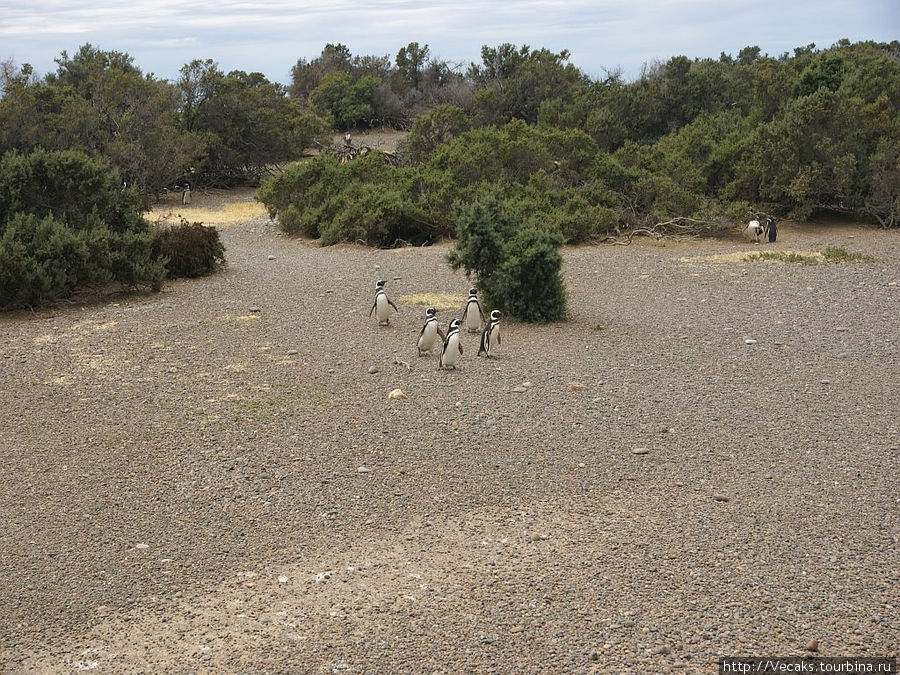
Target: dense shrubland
690, 145
67, 223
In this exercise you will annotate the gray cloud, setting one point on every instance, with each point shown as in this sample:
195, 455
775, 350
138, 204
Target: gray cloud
269, 37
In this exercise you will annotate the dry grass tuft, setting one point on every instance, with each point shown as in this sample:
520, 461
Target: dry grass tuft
440, 301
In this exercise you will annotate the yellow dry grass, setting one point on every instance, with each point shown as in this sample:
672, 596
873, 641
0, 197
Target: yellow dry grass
440, 301
227, 214
742, 256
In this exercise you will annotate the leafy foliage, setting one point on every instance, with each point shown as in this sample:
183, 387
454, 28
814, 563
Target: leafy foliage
518, 269
189, 249
66, 222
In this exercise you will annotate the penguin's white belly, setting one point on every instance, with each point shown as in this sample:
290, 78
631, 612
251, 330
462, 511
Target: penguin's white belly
451, 355
426, 341
382, 308
473, 321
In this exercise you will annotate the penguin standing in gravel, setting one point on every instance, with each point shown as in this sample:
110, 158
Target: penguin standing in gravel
382, 305
452, 349
491, 334
771, 230
428, 336
472, 316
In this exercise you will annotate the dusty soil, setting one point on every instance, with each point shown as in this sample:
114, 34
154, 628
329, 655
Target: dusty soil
209, 479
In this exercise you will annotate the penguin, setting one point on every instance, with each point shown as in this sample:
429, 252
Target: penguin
771, 229
381, 304
428, 336
452, 349
754, 231
186, 195
491, 334
472, 315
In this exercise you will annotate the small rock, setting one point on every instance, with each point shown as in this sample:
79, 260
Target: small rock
282, 579
363, 469
722, 498
397, 393
749, 341
292, 352
516, 629
576, 386
842, 329
825, 381
271, 257
527, 385
143, 546
539, 537
373, 370
519, 390
812, 645
662, 650
640, 451
253, 310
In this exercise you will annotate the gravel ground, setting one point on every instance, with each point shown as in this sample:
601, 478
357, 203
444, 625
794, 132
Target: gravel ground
209, 479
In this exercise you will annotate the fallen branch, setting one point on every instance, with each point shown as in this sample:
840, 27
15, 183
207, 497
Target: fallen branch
402, 363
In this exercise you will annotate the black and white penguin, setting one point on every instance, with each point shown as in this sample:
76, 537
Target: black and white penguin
771, 229
428, 336
754, 231
491, 334
472, 315
452, 349
382, 305
186, 195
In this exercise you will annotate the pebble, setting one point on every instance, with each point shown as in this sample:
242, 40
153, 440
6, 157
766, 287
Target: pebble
576, 386
749, 341
812, 645
363, 469
271, 257
842, 329
397, 393
282, 579
640, 451
253, 310
527, 385
292, 352
143, 546
373, 370
825, 381
722, 498
519, 390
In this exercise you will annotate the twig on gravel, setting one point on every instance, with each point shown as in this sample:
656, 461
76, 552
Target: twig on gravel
402, 363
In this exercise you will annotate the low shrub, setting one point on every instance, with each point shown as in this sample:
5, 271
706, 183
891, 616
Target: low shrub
189, 249
66, 222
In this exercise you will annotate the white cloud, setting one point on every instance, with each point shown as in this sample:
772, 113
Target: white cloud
161, 35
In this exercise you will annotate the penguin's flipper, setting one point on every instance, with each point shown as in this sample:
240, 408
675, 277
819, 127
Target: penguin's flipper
459, 344
422, 332
498, 339
481, 314
440, 334
391, 303
465, 311
373, 308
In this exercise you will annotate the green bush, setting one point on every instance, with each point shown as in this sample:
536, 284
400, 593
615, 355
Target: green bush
189, 249
517, 269
65, 223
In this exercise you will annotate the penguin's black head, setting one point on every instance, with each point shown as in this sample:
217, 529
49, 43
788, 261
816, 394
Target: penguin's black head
430, 311
379, 284
473, 291
454, 325
770, 221
496, 314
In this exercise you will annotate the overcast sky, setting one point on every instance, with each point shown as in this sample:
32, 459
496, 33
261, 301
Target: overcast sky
163, 35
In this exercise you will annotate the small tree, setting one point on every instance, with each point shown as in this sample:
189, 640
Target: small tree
518, 270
